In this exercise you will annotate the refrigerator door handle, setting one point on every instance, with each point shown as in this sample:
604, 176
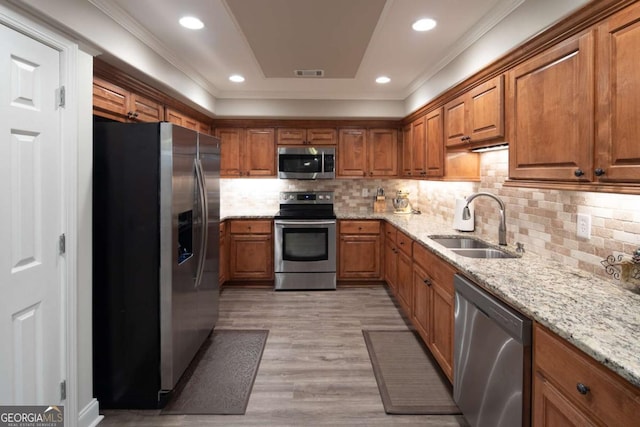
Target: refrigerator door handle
205, 221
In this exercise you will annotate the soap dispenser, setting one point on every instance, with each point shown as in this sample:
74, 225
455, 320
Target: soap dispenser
459, 223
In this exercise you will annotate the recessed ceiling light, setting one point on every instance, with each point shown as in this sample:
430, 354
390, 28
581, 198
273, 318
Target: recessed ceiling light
236, 78
191, 23
383, 79
425, 24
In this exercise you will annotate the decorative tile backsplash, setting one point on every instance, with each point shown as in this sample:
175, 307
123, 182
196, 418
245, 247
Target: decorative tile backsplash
544, 220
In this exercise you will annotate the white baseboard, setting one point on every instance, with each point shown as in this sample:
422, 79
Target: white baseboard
90, 416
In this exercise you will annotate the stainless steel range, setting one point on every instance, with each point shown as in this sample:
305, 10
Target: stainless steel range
305, 241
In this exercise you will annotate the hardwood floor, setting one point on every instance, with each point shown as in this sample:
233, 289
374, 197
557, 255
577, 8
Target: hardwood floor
315, 369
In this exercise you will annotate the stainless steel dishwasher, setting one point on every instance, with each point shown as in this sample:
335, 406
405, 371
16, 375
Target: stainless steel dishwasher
492, 359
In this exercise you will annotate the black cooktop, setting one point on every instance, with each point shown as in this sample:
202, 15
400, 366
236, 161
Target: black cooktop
305, 212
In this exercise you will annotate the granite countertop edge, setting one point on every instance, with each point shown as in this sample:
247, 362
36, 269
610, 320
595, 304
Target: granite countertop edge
595, 315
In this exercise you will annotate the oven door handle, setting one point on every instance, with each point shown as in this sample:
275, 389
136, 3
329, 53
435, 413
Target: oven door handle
305, 223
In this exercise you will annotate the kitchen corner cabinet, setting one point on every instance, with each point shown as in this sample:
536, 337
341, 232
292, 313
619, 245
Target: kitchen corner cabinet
115, 103
550, 113
433, 305
572, 389
359, 250
247, 152
294, 136
367, 153
476, 116
250, 250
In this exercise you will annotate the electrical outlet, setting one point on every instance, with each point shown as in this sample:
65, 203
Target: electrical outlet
365, 192
583, 227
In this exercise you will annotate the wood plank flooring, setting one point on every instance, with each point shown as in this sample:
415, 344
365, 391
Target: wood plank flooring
315, 370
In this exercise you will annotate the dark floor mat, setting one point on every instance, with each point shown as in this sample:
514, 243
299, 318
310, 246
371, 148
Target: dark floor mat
220, 379
408, 380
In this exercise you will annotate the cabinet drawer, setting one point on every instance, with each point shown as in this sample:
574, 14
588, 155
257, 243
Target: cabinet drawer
360, 227
610, 398
404, 243
250, 227
390, 232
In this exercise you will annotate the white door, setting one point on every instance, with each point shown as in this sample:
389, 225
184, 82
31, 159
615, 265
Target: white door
31, 213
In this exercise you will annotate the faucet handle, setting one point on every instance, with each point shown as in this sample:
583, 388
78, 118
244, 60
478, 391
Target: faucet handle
520, 247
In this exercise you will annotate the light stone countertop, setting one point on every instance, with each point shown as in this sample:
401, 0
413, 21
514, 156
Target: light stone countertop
600, 318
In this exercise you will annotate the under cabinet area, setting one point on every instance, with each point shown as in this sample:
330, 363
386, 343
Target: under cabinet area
359, 250
250, 249
571, 389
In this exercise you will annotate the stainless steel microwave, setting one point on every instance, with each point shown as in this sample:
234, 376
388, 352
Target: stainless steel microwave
306, 162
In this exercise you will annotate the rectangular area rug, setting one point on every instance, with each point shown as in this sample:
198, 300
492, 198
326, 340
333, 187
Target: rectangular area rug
408, 380
220, 378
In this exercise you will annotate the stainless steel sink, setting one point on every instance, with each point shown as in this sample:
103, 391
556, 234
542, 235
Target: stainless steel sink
459, 242
487, 253
471, 248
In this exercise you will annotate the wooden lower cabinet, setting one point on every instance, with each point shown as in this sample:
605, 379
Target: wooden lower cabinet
572, 389
250, 250
224, 253
359, 250
433, 305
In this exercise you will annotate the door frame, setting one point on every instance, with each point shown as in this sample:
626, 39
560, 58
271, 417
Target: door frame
69, 134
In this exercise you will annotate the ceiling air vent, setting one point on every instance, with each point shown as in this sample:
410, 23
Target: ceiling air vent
309, 73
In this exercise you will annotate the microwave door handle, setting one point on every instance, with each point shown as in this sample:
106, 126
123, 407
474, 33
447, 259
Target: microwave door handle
205, 221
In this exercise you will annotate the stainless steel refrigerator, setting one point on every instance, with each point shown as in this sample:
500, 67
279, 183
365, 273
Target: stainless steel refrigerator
156, 214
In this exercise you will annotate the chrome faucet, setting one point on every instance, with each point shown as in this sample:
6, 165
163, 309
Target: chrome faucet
502, 228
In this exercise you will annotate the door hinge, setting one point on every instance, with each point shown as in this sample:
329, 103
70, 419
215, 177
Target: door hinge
60, 96
63, 390
62, 244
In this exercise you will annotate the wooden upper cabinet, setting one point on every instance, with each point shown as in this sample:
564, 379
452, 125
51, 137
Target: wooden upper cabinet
418, 148
294, 136
550, 110
352, 152
383, 152
406, 152
434, 146
476, 116
259, 153
231, 143
617, 155
116, 103
180, 119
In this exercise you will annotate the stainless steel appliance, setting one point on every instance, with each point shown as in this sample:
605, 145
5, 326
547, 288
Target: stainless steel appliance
156, 207
492, 359
306, 162
305, 241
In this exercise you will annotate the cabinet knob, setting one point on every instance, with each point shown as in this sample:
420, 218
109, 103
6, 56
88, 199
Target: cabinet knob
582, 389
370, 173
427, 282
578, 172
599, 172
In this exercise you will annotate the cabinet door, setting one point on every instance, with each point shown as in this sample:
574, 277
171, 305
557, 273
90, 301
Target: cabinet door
434, 143
550, 113
405, 282
352, 154
321, 136
359, 257
441, 344
617, 146
286, 136
486, 110
407, 152
552, 409
224, 253
146, 110
251, 257
454, 122
259, 152
421, 301
383, 152
231, 142
390, 264
418, 148
110, 101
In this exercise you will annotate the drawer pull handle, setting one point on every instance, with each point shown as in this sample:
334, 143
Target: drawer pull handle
582, 389
427, 282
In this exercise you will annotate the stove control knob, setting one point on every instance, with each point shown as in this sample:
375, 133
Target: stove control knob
328, 197
291, 197
320, 197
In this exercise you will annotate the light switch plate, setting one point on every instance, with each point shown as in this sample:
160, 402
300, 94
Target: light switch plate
584, 226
